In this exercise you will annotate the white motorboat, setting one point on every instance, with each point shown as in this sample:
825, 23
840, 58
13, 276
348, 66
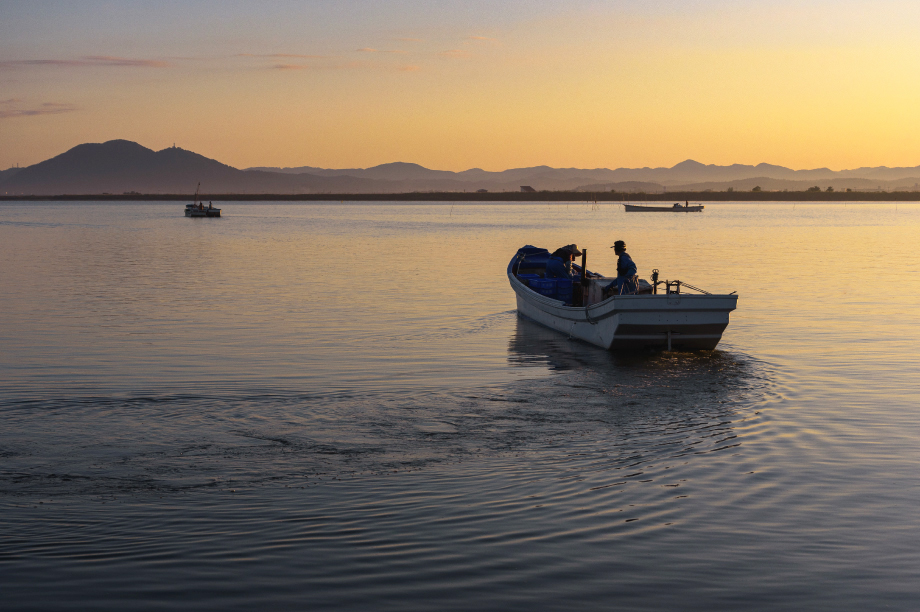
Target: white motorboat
646, 319
198, 209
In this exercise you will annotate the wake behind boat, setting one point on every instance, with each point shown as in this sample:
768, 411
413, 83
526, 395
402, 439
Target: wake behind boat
198, 209
677, 207
645, 319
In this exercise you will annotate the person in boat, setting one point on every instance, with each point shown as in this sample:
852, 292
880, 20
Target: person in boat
627, 281
210, 205
559, 264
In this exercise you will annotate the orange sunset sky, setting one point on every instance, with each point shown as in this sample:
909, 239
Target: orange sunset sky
455, 85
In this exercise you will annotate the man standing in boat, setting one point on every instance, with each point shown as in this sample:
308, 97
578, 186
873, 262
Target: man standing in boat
627, 281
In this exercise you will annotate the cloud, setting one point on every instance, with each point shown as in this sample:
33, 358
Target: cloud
282, 55
479, 38
346, 66
327, 66
89, 60
108, 60
19, 63
298, 56
48, 108
411, 39
455, 53
372, 50
11, 101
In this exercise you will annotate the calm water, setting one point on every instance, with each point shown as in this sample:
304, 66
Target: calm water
320, 406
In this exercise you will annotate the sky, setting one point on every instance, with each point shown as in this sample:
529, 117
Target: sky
467, 84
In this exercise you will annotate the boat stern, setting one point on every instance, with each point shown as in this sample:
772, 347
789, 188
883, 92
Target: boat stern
689, 322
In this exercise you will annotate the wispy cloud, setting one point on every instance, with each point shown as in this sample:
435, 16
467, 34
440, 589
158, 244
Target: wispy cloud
411, 39
9, 110
372, 50
282, 55
455, 53
479, 38
42, 62
324, 66
108, 60
89, 60
340, 65
292, 67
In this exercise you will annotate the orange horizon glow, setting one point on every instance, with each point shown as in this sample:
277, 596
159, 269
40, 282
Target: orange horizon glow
802, 85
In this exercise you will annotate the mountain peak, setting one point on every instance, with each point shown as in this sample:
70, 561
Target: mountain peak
398, 166
688, 164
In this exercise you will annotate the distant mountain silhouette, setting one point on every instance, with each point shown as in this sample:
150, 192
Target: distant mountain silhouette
120, 166
117, 165
7, 174
690, 175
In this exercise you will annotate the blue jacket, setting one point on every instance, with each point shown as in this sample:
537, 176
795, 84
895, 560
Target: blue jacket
555, 268
625, 283
626, 266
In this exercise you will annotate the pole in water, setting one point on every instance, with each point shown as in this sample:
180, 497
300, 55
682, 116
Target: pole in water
669, 340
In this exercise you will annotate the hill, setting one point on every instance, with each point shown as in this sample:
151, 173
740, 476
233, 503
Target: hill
120, 166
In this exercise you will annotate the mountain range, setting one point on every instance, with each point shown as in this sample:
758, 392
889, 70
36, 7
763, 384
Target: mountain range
120, 166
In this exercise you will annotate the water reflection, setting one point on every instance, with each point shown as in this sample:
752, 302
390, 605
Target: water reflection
723, 373
647, 408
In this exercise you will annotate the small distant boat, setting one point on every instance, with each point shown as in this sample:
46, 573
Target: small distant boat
198, 209
677, 207
645, 319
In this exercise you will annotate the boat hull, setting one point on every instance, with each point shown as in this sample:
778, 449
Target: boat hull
214, 212
637, 208
633, 322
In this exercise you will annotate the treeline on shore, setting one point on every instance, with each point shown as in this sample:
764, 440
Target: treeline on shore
505, 196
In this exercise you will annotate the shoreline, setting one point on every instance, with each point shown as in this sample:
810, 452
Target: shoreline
508, 196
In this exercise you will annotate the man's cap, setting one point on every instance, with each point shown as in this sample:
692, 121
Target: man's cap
571, 248
619, 244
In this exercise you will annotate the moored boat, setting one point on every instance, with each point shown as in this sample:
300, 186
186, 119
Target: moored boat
646, 319
677, 207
